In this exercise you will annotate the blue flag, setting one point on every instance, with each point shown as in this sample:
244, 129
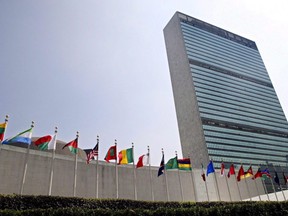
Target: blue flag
23, 137
210, 168
161, 169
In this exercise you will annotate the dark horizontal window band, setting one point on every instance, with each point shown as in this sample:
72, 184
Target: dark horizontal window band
237, 69
200, 82
248, 146
238, 118
231, 93
244, 155
244, 158
212, 130
188, 31
207, 54
245, 152
217, 78
220, 32
243, 127
223, 79
228, 160
206, 88
283, 123
227, 107
224, 71
251, 106
192, 38
238, 101
268, 152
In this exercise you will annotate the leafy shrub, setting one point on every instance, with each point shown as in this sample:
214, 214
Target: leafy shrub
49, 205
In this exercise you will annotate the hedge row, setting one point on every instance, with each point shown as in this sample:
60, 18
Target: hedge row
17, 202
237, 209
49, 205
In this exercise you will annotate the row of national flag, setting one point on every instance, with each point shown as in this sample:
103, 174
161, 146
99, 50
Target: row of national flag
126, 156
174, 163
48, 142
263, 174
43, 143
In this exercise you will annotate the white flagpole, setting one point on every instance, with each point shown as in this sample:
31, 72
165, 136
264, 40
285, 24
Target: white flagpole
216, 182
97, 169
226, 181
181, 189
230, 197
205, 183
281, 186
236, 182
254, 179
166, 182
150, 173
259, 195
6, 121
116, 173
247, 185
134, 172
193, 180
52, 164
274, 189
75, 170
265, 188
26, 163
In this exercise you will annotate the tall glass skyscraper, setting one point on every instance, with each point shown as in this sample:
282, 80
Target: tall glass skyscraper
227, 108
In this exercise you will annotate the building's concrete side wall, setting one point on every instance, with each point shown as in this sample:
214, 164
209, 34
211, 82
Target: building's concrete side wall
36, 181
13, 160
107, 181
144, 187
11, 170
159, 186
188, 116
126, 177
187, 185
63, 177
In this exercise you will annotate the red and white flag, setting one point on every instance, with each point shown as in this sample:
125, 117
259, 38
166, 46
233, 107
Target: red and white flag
143, 160
222, 172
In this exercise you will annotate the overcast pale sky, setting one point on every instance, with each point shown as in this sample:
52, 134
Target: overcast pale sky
100, 67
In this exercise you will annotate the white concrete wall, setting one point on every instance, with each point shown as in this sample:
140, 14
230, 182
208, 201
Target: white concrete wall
13, 160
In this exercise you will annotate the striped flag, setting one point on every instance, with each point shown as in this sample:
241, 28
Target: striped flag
126, 156
2, 130
93, 153
143, 160
184, 164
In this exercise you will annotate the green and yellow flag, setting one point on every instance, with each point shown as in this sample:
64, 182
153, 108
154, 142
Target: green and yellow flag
172, 164
126, 156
